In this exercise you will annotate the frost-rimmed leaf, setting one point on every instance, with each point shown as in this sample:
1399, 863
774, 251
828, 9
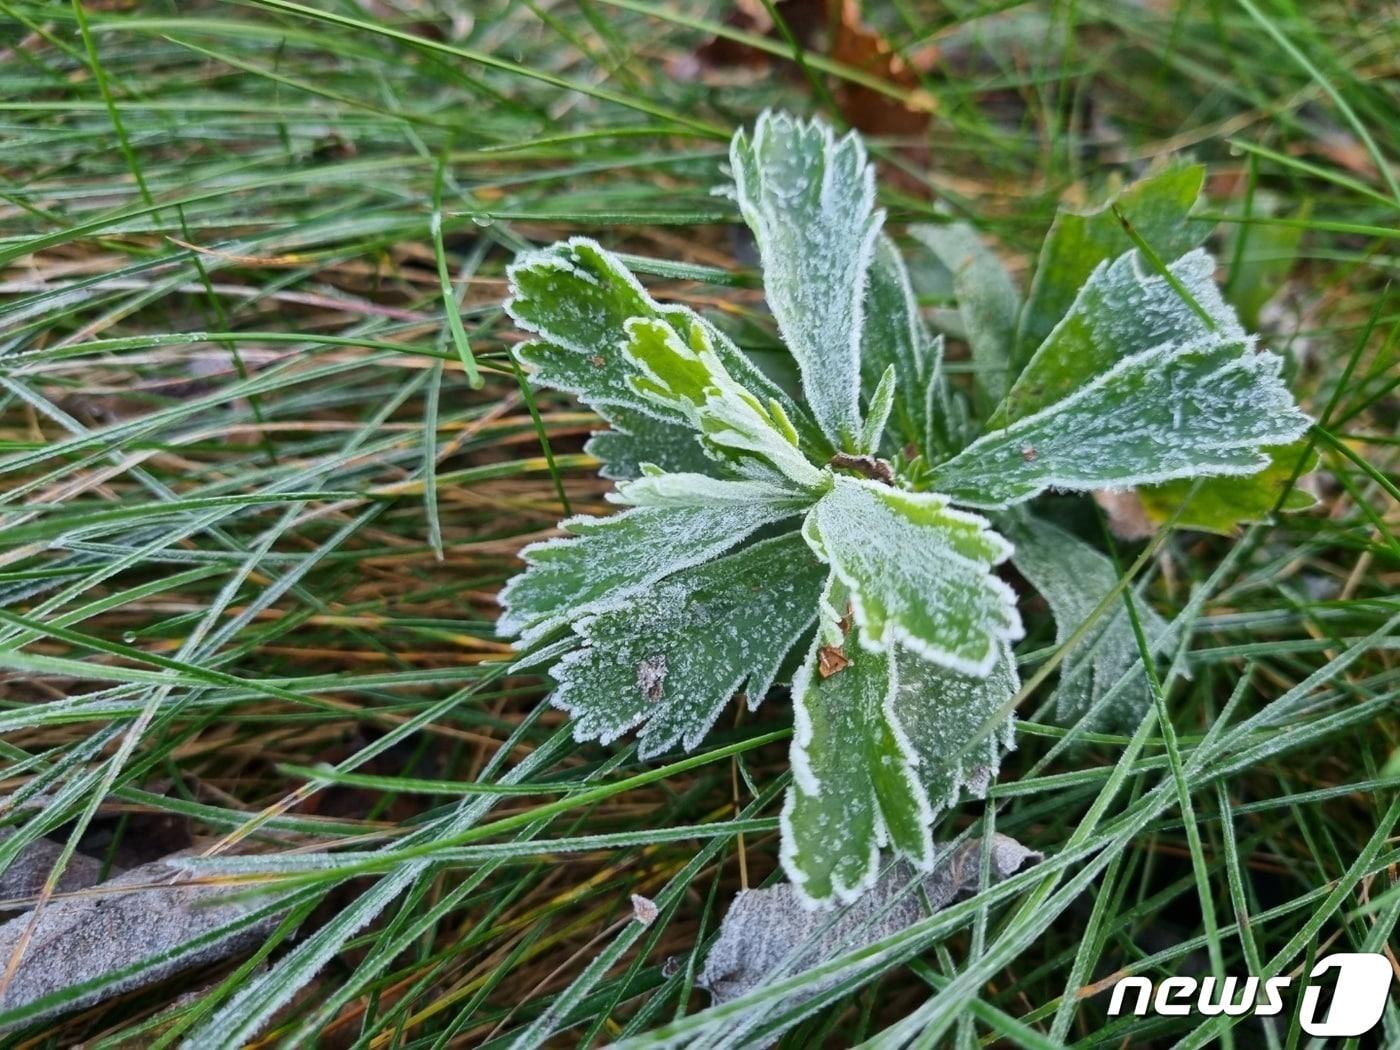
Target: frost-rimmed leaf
608, 559
1073, 578
635, 439
1158, 207
878, 413
854, 789
904, 702
810, 200
895, 334
676, 653
918, 572
987, 300
680, 371
1221, 504
1123, 309
943, 715
1170, 412
577, 297
660, 489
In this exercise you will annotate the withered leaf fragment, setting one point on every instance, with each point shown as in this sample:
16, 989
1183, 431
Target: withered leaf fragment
772, 934
146, 921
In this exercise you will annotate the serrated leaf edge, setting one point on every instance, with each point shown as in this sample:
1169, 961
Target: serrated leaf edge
1267, 364
529, 633
650, 746
808, 783
768, 121
894, 633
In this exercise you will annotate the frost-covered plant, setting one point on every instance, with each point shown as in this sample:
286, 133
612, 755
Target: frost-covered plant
825, 541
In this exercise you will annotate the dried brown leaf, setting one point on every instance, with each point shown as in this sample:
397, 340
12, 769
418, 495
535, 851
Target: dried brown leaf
1127, 517
25, 877
803, 19
857, 45
770, 934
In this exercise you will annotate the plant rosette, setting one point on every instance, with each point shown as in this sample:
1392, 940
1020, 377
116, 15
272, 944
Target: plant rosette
838, 542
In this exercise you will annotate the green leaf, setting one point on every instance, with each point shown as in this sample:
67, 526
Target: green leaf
1073, 577
1121, 310
674, 370
636, 438
680, 371
1157, 207
854, 789
676, 652
881, 405
810, 201
987, 301
1221, 504
918, 572
1262, 255
895, 335
657, 488
578, 297
1174, 411
610, 559
951, 425
944, 715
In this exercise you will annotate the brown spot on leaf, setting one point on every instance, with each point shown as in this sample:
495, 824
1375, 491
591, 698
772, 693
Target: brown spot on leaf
651, 676
597, 360
1028, 453
830, 659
